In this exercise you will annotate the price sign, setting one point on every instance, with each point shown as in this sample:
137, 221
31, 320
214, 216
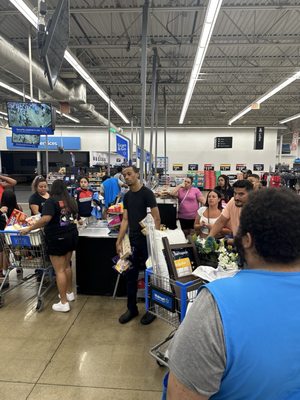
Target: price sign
193, 167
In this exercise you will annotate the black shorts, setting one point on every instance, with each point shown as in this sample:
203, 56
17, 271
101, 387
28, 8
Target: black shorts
62, 243
186, 223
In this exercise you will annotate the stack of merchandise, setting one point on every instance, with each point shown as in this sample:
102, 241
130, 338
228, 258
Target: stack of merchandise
209, 180
114, 218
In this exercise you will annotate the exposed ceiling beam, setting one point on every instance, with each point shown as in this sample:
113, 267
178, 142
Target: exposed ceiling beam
277, 5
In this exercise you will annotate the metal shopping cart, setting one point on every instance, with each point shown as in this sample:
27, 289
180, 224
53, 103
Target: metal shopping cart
27, 252
168, 300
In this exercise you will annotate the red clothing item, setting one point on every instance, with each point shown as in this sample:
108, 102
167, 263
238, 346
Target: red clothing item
1, 191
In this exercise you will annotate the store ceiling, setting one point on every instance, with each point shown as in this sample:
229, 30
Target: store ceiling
254, 46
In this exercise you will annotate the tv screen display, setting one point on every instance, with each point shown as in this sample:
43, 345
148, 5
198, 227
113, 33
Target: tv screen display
56, 42
25, 140
30, 115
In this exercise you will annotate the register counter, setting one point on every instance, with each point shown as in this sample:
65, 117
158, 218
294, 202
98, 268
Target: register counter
94, 272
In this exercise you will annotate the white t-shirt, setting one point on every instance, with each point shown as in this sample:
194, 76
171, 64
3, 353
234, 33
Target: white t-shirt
205, 219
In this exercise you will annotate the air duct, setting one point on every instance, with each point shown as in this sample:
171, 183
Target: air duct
16, 62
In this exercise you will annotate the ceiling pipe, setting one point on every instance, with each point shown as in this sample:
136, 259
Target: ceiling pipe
16, 62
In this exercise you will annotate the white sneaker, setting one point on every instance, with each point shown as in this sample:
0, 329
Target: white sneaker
70, 296
61, 307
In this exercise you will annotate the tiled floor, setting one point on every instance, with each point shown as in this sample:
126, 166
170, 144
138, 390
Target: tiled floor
84, 354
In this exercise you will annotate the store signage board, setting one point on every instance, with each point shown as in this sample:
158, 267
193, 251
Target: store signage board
147, 157
223, 142
209, 167
160, 162
286, 148
122, 146
239, 167
258, 167
225, 167
26, 130
193, 167
259, 138
138, 152
177, 167
68, 143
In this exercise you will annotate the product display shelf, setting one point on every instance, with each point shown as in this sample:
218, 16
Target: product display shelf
114, 219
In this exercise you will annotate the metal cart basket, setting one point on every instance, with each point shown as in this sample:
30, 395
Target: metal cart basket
168, 300
27, 252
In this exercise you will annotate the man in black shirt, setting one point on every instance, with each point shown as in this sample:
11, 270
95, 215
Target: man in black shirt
136, 202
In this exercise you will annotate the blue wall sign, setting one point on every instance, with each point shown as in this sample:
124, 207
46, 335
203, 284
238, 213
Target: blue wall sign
147, 158
68, 143
122, 145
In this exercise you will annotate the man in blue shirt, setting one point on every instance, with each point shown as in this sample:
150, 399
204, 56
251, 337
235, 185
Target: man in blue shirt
240, 339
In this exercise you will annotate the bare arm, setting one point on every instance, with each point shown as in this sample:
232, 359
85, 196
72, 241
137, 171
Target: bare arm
177, 391
201, 199
39, 224
122, 232
197, 224
220, 223
156, 217
34, 209
174, 192
6, 181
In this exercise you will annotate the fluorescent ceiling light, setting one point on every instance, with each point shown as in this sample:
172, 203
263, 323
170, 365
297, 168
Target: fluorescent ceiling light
283, 121
211, 15
239, 115
3, 113
266, 96
26, 11
33, 19
2, 117
19, 93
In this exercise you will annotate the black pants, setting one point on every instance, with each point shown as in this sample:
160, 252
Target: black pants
139, 258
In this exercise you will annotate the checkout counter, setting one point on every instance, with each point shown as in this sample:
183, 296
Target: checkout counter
94, 272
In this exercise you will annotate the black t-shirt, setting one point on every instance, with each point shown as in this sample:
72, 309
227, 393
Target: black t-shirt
37, 200
62, 219
136, 204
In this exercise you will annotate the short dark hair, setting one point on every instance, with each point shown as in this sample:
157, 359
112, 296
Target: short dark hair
243, 184
272, 217
135, 169
84, 177
119, 169
191, 178
254, 176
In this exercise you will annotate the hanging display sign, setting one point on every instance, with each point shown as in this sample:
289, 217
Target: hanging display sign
239, 167
258, 167
122, 146
259, 138
209, 167
161, 161
68, 143
147, 157
286, 148
138, 152
193, 167
294, 145
177, 167
225, 167
224, 142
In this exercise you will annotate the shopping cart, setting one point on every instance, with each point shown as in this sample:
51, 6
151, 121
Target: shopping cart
27, 252
168, 300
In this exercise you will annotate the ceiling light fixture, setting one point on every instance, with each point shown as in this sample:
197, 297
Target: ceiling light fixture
33, 19
266, 96
26, 11
3, 113
19, 93
211, 15
283, 121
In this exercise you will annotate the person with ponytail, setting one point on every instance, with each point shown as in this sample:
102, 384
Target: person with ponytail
58, 219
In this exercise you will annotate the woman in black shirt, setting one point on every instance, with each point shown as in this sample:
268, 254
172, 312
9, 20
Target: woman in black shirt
39, 196
58, 217
224, 188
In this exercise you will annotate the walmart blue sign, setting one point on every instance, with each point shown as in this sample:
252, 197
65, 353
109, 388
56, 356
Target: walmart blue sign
68, 143
122, 146
146, 155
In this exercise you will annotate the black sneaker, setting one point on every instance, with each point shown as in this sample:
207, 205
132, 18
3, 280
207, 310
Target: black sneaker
147, 318
128, 316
